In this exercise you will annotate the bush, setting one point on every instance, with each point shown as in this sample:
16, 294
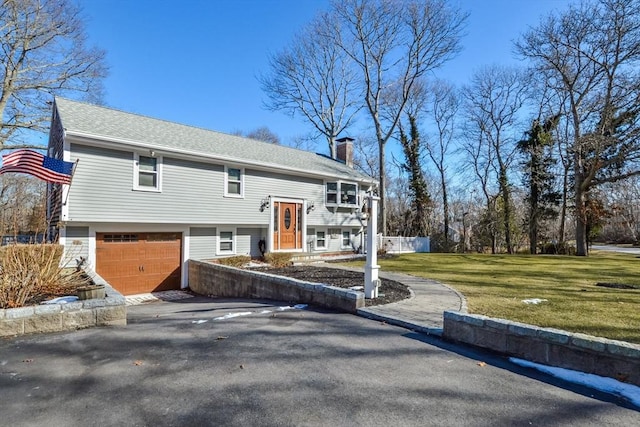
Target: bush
30, 274
234, 261
279, 259
558, 249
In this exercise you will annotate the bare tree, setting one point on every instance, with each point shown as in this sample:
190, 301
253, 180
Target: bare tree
22, 205
393, 44
590, 53
312, 77
43, 52
443, 108
264, 134
492, 102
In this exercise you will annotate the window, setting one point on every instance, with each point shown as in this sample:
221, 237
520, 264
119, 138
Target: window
321, 240
346, 239
234, 178
120, 238
332, 193
348, 194
147, 173
226, 242
342, 193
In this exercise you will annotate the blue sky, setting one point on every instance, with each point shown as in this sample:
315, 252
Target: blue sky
196, 61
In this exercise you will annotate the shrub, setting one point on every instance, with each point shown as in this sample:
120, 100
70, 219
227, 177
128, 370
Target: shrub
279, 259
31, 273
558, 249
234, 261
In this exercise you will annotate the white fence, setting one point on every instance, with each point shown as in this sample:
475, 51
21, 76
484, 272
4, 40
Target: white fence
399, 244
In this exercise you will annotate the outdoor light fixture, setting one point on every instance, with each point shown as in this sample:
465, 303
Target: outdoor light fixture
264, 204
310, 207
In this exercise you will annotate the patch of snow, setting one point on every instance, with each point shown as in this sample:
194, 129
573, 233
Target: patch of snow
198, 322
254, 264
533, 301
609, 385
232, 315
295, 307
249, 313
61, 300
357, 288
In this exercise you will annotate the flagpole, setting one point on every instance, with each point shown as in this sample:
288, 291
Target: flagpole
73, 172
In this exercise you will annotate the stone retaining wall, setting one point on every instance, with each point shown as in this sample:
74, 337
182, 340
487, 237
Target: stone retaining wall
68, 316
206, 278
553, 347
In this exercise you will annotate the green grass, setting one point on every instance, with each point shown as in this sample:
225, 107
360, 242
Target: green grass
495, 286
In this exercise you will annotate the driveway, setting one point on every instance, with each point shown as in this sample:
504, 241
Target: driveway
175, 365
611, 248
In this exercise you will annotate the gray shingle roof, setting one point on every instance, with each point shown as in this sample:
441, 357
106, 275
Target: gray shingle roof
82, 119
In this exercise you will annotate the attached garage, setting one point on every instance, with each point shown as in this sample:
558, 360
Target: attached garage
136, 263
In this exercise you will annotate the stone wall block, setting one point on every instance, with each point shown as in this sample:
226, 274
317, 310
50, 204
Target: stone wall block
43, 323
11, 327
18, 313
111, 316
47, 309
78, 319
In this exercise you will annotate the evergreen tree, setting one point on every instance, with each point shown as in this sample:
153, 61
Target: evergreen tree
542, 199
420, 199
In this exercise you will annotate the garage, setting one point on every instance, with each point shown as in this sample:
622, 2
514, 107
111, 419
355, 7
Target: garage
135, 263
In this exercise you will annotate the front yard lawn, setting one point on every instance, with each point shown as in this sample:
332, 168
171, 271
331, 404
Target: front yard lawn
496, 285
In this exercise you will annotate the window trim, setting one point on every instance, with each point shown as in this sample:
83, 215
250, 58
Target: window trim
320, 248
226, 182
219, 231
338, 192
136, 174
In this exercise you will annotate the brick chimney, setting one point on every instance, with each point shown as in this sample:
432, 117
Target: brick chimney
344, 150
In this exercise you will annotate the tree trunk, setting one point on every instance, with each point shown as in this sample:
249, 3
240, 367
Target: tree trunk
581, 221
383, 201
445, 209
563, 210
506, 217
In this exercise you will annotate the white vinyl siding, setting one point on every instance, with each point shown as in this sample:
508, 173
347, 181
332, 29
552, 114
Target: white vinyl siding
248, 241
189, 194
77, 243
202, 243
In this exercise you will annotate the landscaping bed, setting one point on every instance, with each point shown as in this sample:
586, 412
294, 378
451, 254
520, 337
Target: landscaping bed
388, 292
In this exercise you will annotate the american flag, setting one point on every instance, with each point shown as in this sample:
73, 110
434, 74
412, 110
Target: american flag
36, 164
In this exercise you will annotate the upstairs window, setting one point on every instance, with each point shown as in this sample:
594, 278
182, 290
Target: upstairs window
348, 194
341, 194
332, 193
234, 182
147, 173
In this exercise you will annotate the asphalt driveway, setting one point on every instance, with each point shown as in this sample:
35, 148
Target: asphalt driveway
175, 364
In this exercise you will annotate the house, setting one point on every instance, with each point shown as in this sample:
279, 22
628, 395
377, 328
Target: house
147, 195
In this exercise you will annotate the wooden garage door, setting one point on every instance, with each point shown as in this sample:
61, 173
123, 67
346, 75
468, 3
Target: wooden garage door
136, 263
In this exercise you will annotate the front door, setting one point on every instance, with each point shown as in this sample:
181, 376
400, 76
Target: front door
287, 221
